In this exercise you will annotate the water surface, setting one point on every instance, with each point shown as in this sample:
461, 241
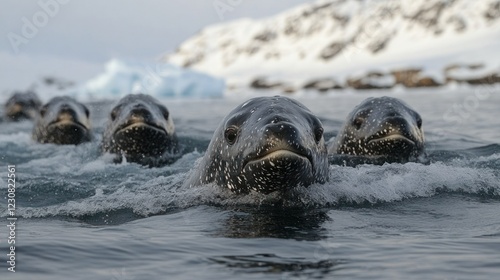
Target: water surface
83, 217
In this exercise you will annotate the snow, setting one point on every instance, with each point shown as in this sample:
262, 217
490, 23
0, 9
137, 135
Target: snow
231, 50
462, 72
380, 81
239, 52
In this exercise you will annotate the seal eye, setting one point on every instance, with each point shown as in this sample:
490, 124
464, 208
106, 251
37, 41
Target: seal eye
164, 112
419, 122
86, 110
231, 134
358, 122
114, 113
318, 134
43, 111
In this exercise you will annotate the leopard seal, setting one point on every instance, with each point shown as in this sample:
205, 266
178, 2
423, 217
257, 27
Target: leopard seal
22, 106
380, 130
266, 144
62, 121
141, 130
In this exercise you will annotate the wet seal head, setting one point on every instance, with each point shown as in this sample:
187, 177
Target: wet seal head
22, 106
140, 129
379, 130
266, 144
62, 121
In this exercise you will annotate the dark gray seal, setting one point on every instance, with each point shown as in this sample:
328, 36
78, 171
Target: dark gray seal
380, 130
140, 129
266, 144
63, 121
22, 106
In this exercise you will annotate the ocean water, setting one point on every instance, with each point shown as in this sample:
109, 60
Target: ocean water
82, 217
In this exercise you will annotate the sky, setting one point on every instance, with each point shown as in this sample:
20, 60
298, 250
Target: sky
73, 38
95, 30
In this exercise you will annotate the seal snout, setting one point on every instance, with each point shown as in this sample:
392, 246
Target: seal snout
267, 144
280, 139
16, 108
281, 160
379, 130
396, 128
140, 116
66, 113
281, 130
63, 121
22, 106
140, 130
18, 111
283, 135
140, 113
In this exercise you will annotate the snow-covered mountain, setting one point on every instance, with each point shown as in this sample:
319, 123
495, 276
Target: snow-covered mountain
354, 43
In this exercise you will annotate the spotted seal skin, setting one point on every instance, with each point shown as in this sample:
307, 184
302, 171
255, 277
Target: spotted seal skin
22, 106
140, 129
266, 144
380, 130
63, 121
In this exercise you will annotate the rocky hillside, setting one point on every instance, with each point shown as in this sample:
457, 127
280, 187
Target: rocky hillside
358, 44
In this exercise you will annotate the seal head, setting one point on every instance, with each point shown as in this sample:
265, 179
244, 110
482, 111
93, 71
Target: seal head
63, 121
22, 106
141, 129
383, 129
266, 144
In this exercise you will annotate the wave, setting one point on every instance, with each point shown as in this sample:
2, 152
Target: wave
100, 188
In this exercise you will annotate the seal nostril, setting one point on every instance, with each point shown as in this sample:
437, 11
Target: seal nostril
141, 113
67, 112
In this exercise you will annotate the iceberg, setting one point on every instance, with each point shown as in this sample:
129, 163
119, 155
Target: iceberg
161, 80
